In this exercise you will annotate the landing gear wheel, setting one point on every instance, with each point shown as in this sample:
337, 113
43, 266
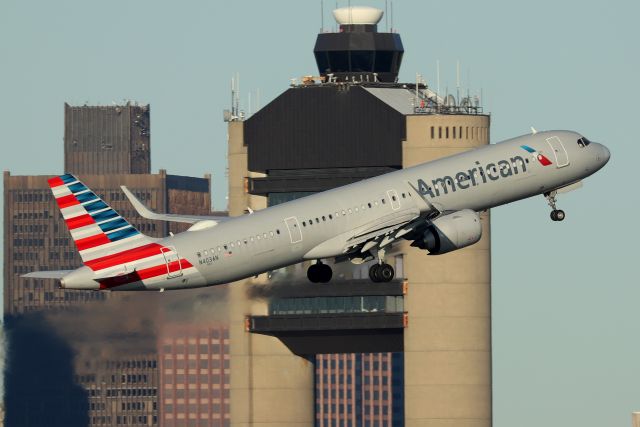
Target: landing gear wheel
313, 273
386, 273
325, 273
319, 273
373, 273
557, 215
381, 273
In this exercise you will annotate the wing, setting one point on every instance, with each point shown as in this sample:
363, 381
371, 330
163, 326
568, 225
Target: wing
357, 245
149, 214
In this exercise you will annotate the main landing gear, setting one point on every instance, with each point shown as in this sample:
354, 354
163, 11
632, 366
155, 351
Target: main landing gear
556, 214
319, 273
381, 272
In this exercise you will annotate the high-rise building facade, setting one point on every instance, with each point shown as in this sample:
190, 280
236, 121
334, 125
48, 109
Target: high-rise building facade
194, 374
359, 389
110, 139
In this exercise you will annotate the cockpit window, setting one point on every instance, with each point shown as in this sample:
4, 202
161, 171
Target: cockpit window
583, 142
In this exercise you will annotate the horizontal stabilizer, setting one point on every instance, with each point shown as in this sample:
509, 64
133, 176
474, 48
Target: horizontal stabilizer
145, 212
53, 274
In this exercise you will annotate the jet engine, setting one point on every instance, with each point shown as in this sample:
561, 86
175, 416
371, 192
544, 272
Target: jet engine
451, 232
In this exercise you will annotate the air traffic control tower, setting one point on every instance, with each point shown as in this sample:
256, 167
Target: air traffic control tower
352, 122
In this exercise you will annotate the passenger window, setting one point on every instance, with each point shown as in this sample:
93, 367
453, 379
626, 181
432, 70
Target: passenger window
271, 233
251, 239
226, 247
344, 212
304, 224
369, 204
383, 201
206, 252
350, 211
317, 221
356, 208
393, 198
278, 231
404, 196
324, 218
330, 216
264, 235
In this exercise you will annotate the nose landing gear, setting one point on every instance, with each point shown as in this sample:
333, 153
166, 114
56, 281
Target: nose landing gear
319, 273
556, 214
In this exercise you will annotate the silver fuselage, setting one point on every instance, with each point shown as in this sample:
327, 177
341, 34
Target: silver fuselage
276, 237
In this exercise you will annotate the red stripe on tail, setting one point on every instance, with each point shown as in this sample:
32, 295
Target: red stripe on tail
124, 257
55, 182
146, 273
66, 201
92, 242
79, 221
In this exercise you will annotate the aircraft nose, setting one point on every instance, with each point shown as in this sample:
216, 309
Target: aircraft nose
604, 155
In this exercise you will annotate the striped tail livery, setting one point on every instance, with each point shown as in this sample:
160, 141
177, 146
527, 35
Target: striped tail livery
116, 256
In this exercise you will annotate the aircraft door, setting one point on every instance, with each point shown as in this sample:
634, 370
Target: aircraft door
394, 199
560, 153
294, 229
172, 259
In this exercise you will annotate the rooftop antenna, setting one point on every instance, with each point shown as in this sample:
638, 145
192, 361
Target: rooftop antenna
386, 15
392, 16
458, 80
233, 96
257, 99
438, 75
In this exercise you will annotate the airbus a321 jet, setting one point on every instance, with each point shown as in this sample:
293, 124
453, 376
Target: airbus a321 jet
434, 205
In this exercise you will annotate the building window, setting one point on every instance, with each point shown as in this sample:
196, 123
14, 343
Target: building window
440, 132
447, 132
433, 132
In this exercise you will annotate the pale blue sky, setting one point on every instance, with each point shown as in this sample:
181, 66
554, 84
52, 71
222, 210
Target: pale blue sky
565, 295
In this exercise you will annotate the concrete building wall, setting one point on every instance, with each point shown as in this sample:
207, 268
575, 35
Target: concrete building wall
111, 139
270, 387
448, 339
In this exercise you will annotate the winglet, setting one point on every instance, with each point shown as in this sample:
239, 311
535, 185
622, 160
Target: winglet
533, 130
139, 206
145, 212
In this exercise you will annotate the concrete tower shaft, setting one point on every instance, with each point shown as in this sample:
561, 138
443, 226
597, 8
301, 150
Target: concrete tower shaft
447, 344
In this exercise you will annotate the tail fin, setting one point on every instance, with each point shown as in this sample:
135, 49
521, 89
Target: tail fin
96, 229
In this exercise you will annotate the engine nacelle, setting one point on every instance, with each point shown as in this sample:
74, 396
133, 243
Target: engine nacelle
450, 232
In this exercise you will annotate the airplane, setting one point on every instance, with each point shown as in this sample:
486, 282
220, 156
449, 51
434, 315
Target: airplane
434, 205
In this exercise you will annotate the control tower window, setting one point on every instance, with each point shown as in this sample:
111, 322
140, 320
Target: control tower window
339, 61
384, 61
362, 60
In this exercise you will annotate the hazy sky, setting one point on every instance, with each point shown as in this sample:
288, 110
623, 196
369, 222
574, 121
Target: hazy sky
566, 330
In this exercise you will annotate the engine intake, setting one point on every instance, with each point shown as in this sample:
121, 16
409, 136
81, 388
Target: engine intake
451, 232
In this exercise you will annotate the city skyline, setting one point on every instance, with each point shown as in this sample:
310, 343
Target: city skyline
563, 325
